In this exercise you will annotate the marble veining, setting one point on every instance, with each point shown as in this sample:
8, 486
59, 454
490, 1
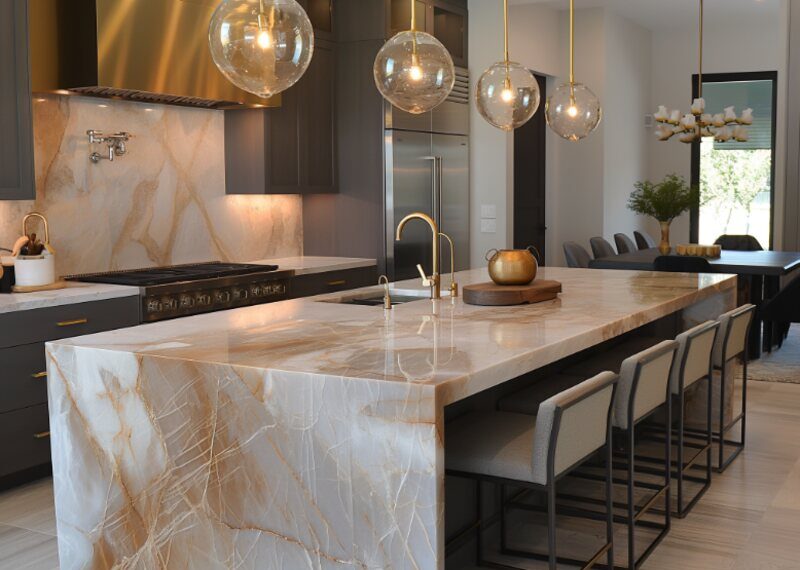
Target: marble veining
162, 203
301, 434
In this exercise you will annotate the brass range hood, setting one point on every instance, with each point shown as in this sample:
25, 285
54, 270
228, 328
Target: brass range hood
154, 51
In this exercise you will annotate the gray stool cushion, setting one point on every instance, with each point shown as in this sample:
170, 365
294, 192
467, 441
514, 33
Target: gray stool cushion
651, 390
499, 444
695, 346
737, 320
527, 401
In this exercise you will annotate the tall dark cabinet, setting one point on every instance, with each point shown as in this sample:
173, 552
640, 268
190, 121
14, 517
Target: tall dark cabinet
16, 123
290, 149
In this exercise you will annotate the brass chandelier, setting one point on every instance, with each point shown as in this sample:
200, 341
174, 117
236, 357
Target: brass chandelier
696, 125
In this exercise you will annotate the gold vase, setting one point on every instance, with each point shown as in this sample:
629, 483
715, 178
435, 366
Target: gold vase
664, 247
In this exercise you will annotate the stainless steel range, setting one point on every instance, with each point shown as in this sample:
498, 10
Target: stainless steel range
183, 290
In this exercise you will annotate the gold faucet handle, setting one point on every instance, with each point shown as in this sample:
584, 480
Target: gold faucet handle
387, 297
426, 281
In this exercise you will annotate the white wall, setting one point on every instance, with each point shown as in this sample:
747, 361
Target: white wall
627, 100
491, 150
754, 46
791, 86
576, 193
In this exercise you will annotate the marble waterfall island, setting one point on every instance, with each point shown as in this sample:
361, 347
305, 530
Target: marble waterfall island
305, 434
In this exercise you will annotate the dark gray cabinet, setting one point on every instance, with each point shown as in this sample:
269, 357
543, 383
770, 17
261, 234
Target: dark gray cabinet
446, 20
16, 124
25, 447
290, 149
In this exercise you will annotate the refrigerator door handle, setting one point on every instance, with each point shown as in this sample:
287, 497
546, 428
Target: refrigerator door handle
436, 188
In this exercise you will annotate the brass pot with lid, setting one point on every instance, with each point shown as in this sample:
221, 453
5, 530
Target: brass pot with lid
513, 266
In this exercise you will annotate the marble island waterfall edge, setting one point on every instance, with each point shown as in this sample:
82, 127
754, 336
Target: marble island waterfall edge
303, 434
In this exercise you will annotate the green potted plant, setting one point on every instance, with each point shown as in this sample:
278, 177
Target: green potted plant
664, 201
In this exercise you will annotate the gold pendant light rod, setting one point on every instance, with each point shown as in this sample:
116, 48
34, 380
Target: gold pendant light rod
571, 42
505, 31
413, 15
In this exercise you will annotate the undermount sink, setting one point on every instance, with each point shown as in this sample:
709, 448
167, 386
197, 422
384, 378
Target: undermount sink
375, 298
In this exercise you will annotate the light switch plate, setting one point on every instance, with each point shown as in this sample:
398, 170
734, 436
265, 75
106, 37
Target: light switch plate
488, 226
488, 211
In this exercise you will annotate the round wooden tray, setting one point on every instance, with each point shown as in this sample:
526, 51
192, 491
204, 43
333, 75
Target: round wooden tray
493, 295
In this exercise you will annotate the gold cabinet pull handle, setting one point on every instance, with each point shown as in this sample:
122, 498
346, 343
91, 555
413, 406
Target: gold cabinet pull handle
72, 323
39, 375
337, 283
42, 435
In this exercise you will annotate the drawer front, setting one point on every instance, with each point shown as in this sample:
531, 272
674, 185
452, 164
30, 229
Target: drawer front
26, 439
333, 281
53, 323
23, 377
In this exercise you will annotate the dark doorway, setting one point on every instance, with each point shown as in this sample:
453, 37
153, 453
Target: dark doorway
529, 180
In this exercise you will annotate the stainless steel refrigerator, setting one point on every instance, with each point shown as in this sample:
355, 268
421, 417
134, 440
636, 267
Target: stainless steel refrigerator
427, 170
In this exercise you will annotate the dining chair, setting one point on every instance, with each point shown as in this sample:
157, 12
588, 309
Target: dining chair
601, 248
624, 243
681, 264
535, 453
739, 243
577, 256
644, 241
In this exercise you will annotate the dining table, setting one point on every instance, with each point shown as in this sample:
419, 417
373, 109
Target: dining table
761, 270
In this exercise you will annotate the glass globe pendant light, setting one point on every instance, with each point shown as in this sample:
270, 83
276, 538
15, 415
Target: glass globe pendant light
413, 70
573, 111
507, 94
261, 46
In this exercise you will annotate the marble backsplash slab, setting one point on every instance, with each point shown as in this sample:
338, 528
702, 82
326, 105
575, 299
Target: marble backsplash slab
162, 203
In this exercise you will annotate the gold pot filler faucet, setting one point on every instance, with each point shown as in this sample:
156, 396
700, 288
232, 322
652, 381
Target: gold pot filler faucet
435, 280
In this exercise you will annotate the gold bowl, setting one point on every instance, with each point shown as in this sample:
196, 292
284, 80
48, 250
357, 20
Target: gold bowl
512, 266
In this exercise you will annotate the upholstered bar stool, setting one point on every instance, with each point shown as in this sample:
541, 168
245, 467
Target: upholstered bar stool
734, 330
536, 452
693, 363
644, 387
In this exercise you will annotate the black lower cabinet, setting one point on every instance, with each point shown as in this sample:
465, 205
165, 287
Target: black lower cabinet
25, 444
24, 422
332, 281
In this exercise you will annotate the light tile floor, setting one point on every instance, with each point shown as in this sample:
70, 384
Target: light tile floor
748, 520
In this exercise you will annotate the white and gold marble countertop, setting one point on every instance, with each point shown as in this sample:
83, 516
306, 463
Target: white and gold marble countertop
308, 264
84, 292
73, 293
449, 344
304, 434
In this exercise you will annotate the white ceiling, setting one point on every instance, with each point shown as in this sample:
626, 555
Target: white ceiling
668, 14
